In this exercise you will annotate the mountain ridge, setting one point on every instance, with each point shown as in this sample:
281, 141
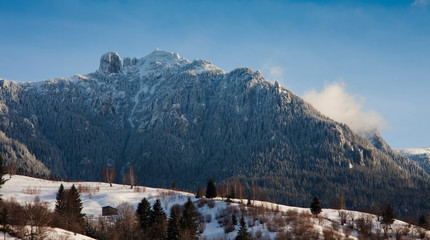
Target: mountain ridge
171, 118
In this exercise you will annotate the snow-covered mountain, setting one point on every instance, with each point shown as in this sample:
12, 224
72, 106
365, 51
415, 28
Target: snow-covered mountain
420, 155
182, 121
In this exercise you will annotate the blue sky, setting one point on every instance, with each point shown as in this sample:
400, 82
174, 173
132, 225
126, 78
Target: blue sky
379, 51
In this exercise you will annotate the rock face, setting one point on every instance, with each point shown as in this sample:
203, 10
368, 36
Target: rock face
110, 63
182, 121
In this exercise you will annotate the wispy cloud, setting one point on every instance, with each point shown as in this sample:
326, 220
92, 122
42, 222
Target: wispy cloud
334, 102
420, 3
273, 72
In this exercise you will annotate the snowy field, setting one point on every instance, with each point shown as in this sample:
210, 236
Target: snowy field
95, 195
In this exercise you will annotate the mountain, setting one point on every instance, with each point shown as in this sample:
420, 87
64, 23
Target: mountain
420, 155
182, 121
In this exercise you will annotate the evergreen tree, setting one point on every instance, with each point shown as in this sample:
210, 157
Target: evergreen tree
60, 204
4, 218
234, 219
74, 216
144, 213
316, 206
173, 185
158, 221
189, 220
173, 227
211, 189
243, 233
388, 215
2, 180
422, 221
199, 193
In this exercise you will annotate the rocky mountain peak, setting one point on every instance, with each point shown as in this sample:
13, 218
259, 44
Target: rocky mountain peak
110, 63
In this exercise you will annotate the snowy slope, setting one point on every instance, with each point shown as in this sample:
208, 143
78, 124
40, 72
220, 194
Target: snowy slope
415, 151
24, 189
420, 155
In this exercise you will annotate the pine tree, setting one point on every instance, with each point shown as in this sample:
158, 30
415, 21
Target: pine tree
74, 216
4, 218
189, 220
2, 180
158, 221
173, 227
388, 215
243, 233
422, 221
199, 193
234, 219
211, 189
60, 204
316, 206
144, 213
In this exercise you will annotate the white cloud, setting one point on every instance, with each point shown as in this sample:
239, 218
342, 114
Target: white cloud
420, 3
337, 104
273, 72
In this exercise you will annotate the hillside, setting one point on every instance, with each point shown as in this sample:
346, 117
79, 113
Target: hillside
182, 121
420, 155
265, 220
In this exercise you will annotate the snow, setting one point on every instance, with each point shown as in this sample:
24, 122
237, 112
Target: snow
414, 151
24, 189
20, 187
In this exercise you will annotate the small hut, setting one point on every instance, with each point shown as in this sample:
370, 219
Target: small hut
109, 211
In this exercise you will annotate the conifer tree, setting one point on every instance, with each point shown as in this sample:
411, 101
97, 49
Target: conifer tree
74, 216
211, 189
144, 213
422, 221
243, 233
387, 217
158, 221
2, 180
173, 185
60, 204
316, 206
234, 219
189, 220
199, 193
173, 227
4, 221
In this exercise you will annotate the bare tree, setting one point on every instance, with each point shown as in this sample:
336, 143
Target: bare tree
109, 175
130, 177
38, 216
11, 169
